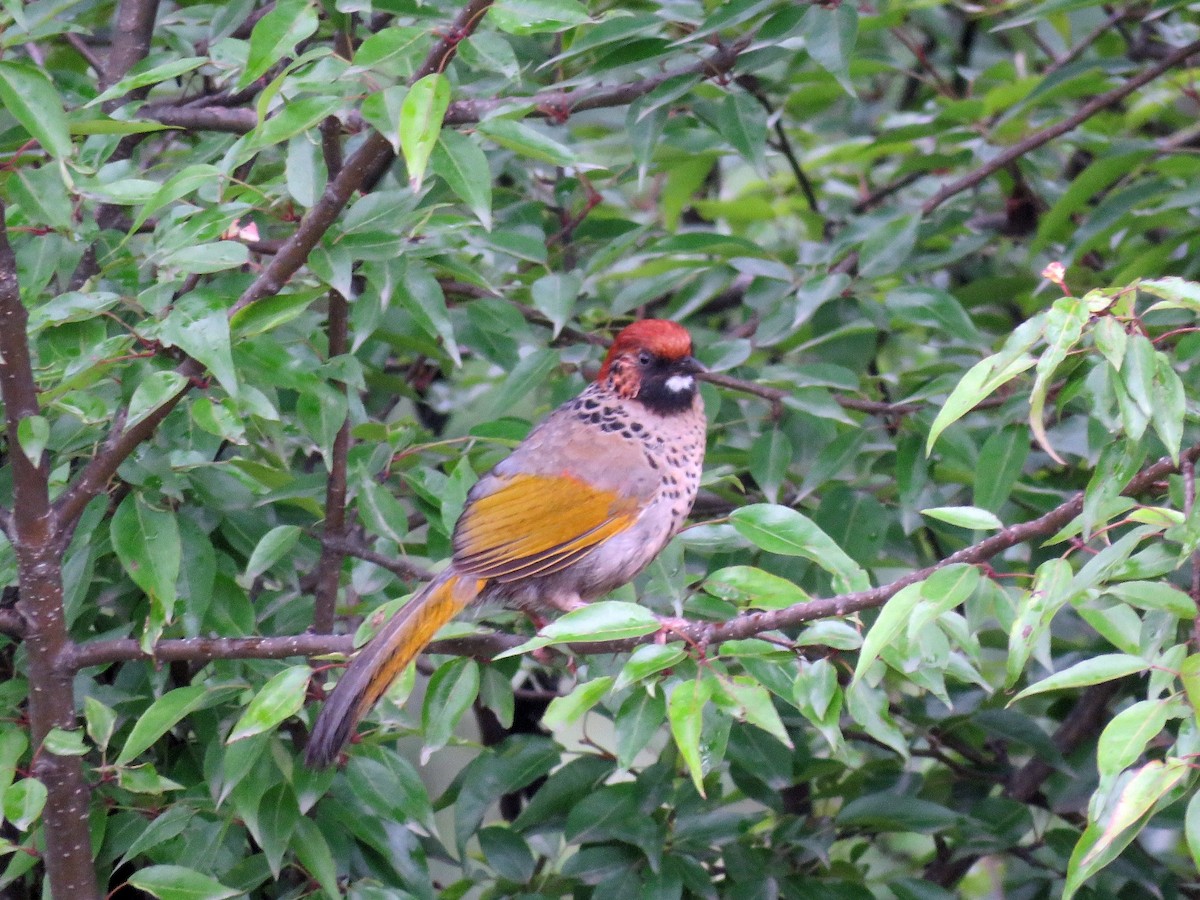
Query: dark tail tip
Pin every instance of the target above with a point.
(328, 736)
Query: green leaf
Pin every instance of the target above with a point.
(1125, 737)
(1001, 461)
(1169, 405)
(421, 116)
(685, 712)
(1191, 828)
(280, 698)
(460, 162)
(24, 802)
(199, 326)
(275, 36)
(381, 109)
(742, 121)
(891, 622)
(1154, 595)
(830, 34)
(604, 620)
(1050, 590)
(554, 297)
(452, 690)
(33, 433)
(986, 376)
(271, 548)
(31, 99)
(1111, 340)
(778, 529)
(1098, 669)
(751, 587)
(755, 706)
(888, 245)
(142, 75)
(526, 141)
(647, 660)
(537, 16)
(423, 298)
(203, 259)
(770, 456)
(101, 721)
(1064, 326)
(312, 850)
(152, 392)
(638, 720)
(147, 543)
(1104, 840)
(64, 742)
(382, 513)
(567, 709)
(162, 715)
(169, 882)
(1177, 292)
(1189, 676)
(964, 517)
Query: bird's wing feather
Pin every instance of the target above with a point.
(528, 524)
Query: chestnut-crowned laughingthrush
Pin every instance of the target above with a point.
(579, 508)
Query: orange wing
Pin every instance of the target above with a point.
(535, 525)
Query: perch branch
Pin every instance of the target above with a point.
(1070, 123)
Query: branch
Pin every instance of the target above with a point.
(1035, 140)
(291, 256)
(241, 120)
(329, 566)
(554, 105)
(117, 447)
(558, 105)
(401, 568)
(99, 653)
(362, 169)
(134, 23)
(68, 857)
(29, 522)
(486, 645)
(436, 60)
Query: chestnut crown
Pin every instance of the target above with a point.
(651, 361)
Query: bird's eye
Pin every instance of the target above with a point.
(644, 358)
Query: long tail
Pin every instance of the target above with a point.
(384, 657)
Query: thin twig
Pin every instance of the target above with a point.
(329, 565)
(1188, 469)
(401, 568)
(1038, 138)
(1094, 35)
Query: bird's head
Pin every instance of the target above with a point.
(651, 361)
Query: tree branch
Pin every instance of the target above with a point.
(486, 645)
(68, 857)
(117, 447)
(557, 105)
(329, 566)
(131, 40)
(554, 105)
(399, 567)
(1035, 140)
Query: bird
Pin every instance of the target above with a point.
(581, 506)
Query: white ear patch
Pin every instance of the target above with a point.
(678, 383)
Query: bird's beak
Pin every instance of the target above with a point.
(692, 366)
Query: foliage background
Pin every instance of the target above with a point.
(250, 367)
